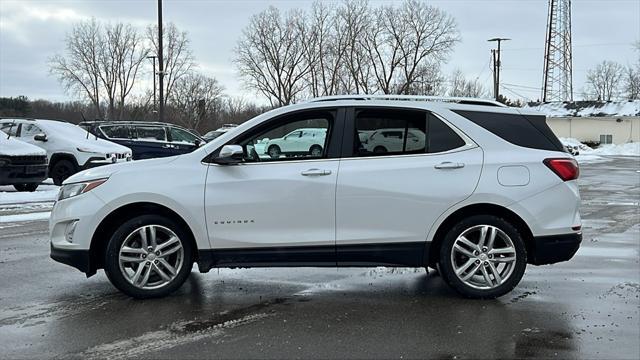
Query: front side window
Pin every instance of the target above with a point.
(182, 136)
(30, 130)
(115, 131)
(9, 128)
(151, 133)
(396, 132)
(299, 136)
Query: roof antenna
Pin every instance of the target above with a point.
(83, 120)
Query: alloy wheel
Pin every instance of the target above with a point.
(151, 257)
(483, 257)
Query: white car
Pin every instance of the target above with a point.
(392, 140)
(215, 133)
(491, 191)
(69, 147)
(22, 165)
(305, 141)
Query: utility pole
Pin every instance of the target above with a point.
(153, 58)
(495, 53)
(160, 65)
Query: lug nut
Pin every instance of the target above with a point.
(144, 256)
(486, 263)
(158, 253)
(155, 261)
(477, 262)
(490, 256)
(475, 253)
(484, 249)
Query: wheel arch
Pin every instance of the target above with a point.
(62, 156)
(101, 235)
(478, 209)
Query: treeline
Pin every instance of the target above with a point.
(227, 111)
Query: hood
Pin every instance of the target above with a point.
(15, 147)
(106, 171)
(62, 132)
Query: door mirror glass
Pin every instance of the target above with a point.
(230, 154)
(40, 137)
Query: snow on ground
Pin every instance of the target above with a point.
(34, 216)
(45, 192)
(588, 154)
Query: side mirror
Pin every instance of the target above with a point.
(197, 143)
(229, 155)
(40, 137)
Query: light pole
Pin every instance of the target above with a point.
(160, 65)
(496, 66)
(153, 59)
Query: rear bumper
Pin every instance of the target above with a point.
(554, 248)
(78, 259)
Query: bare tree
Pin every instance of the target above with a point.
(461, 86)
(78, 68)
(406, 39)
(354, 21)
(603, 81)
(271, 55)
(101, 63)
(178, 56)
(196, 98)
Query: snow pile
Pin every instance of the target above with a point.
(587, 108)
(588, 154)
(628, 149)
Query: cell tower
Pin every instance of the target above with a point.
(557, 83)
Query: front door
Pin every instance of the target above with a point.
(152, 142)
(389, 196)
(269, 210)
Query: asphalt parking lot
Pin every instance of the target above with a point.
(585, 308)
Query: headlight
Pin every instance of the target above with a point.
(71, 190)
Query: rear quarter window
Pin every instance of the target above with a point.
(522, 130)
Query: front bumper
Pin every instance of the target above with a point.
(554, 248)
(79, 259)
(23, 174)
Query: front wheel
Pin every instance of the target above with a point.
(148, 256)
(61, 170)
(274, 151)
(26, 187)
(483, 256)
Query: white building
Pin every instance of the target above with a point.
(591, 121)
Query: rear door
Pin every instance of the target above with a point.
(387, 201)
(151, 142)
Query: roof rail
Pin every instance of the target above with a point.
(459, 100)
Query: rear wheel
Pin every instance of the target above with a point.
(149, 256)
(483, 256)
(61, 170)
(315, 151)
(26, 187)
(274, 151)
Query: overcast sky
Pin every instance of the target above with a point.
(33, 30)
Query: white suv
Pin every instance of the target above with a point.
(491, 190)
(69, 148)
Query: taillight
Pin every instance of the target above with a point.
(566, 169)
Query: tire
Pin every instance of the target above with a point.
(507, 257)
(123, 274)
(61, 170)
(315, 151)
(380, 150)
(26, 187)
(274, 151)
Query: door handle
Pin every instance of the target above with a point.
(449, 165)
(316, 172)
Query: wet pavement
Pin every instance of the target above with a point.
(585, 308)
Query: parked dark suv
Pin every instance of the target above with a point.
(146, 139)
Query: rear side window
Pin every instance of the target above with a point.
(151, 133)
(522, 130)
(395, 132)
(115, 131)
